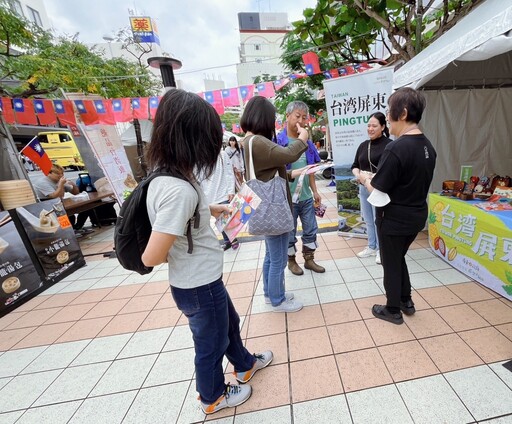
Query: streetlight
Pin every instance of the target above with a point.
(108, 38)
(166, 65)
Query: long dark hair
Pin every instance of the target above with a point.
(259, 117)
(187, 135)
(233, 138)
(379, 116)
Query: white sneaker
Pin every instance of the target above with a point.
(288, 306)
(234, 395)
(367, 252)
(377, 258)
(262, 360)
(287, 295)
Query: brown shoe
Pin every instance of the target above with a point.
(309, 261)
(293, 266)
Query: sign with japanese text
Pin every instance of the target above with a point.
(144, 29)
(476, 242)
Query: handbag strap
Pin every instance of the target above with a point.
(298, 187)
(252, 175)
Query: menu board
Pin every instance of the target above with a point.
(18, 276)
(48, 230)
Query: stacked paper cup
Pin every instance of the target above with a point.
(15, 193)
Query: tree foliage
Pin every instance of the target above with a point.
(34, 62)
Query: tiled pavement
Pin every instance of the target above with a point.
(108, 346)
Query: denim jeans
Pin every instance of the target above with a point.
(276, 258)
(368, 213)
(214, 323)
(304, 209)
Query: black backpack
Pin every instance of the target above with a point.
(133, 227)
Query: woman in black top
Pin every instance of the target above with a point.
(365, 164)
(400, 188)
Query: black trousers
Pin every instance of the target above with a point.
(396, 275)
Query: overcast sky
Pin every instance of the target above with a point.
(200, 33)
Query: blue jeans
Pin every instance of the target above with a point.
(214, 323)
(276, 258)
(368, 213)
(305, 209)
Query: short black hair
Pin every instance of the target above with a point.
(407, 98)
(259, 117)
(186, 137)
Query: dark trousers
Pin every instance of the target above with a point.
(396, 275)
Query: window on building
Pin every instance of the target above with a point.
(34, 16)
(257, 47)
(16, 7)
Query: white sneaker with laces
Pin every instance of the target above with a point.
(234, 395)
(288, 306)
(262, 360)
(367, 252)
(377, 258)
(287, 295)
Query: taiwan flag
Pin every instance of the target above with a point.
(235, 128)
(153, 106)
(45, 112)
(215, 99)
(347, 70)
(35, 152)
(230, 97)
(64, 111)
(6, 109)
(247, 92)
(140, 107)
(104, 111)
(312, 63)
(280, 83)
(266, 89)
(24, 112)
(87, 112)
(122, 110)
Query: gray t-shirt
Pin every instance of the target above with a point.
(171, 202)
(44, 187)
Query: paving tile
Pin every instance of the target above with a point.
(433, 264)
(4, 381)
(14, 361)
(161, 318)
(10, 338)
(33, 318)
(266, 324)
(32, 303)
(124, 374)
(493, 311)
(488, 343)
(421, 280)
(154, 288)
(427, 323)
(104, 409)
(378, 405)
(407, 360)
(505, 329)
(56, 356)
(241, 290)
(308, 296)
(242, 276)
(309, 317)
(23, 390)
(310, 343)
(57, 300)
(314, 378)
(277, 343)
(470, 292)
(334, 293)
(84, 329)
(281, 415)
(362, 369)
(339, 312)
(123, 292)
(420, 254)
(127, 323)
(242, 305)
(420, 395)
(51, 414)
(342, 253)
(141, 303)
(102, 349)
(10, 417)
(146, 342)
(348, 263)
(10, 318)
(502, 372)
(157, 404)
(361, 289)
(364, 305)
(106, 308)
(439, 296)
(180, 338)
(65, 387)
(350, 336)
(271, 389)
(333, 410)
(191, 411)
(170, 367)
(327, 278)
(91, 296)
(70, 313)
(461, 317)
(449, 352)
(44, 335)
(481, 391)
(77, 286)
(384, 333)
(501, 420)
(355, 274)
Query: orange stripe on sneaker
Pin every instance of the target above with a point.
(211, 408)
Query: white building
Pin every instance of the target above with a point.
(261, 35)
(32, 10)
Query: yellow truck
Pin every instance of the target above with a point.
(61, 148)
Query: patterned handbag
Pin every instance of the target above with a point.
(273, 216)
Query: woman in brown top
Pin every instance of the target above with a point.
(258, 120)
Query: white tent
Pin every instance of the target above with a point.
(466, 76)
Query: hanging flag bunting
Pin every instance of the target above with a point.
(122, 110)
(45, 112)
(153, 106)
(6, 109)
(24, 112)
(280, 83)
(35, 152)
(64, 111)
(140, 107)
(223, 127)
(104, 111)
(312, 63)
(266, 89)
(215, 99)
(361, 67)
(279, 124)
(86, 111)
(346, 70)
(235, 128)
(247, 92)
(230, 97)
